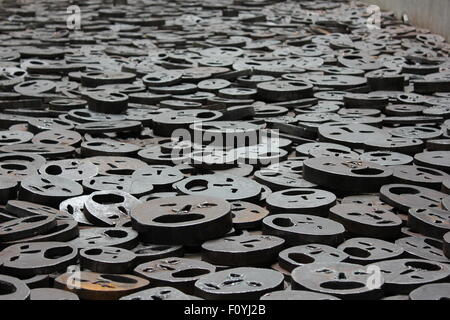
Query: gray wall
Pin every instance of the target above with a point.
(430, 14)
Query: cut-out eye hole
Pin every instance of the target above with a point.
(403, 190)
(254, 284)
(93, 252)
(212, 286)
(300, 258)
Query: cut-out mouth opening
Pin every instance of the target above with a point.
(367, 171)
(357, 252)
(294, 193)
(13, 166)
(108, 199)
(56, 253)
(116, 233)
(403, 190)
(178, 218)
(301, 258)
(342, 285)
(53, 170)
(190, 273)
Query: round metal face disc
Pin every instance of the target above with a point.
(176, 219)
(344, 280)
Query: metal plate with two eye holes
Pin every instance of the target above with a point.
(107, 260)
(416, 132)
(297, 256)
(107, 163)
(224, 186)
(23, 209)
(96, 286)
(149, 252)
(346, 175)
(26, 227)
(244, 283)
(36, 125)
(301, 201)
(179, 273)
(26, 259)
(343, 280)
(352, 135)
(429, 222)
(182, 220)
(439, 160)
(406, 196)
(334, 151)
(387, 158)
(247, 215)
(160, 176)
(72, 169)
(362, 220)
(14, 137)
(365, 251)
(58, 137)
(48, 190)
(242, 251)
(135, 186)
(103, 147)
(404, 275)
(109, 208)
(299, 229)
(409, 146)
(125, 238)
(420, 176)
(423, 248)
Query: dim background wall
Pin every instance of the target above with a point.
(430, 14)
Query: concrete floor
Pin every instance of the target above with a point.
(431, 14)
